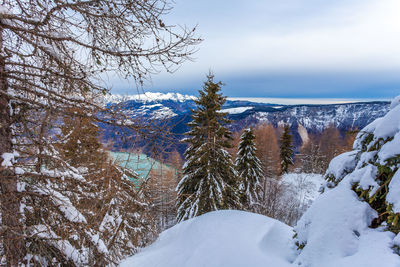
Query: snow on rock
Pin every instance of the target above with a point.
(220, 239)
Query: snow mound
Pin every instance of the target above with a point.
(335, 232)
(220, 239)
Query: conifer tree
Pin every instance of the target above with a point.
(249, 169)
(286, 150)
(210, 180)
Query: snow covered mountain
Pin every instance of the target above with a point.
(175, 109)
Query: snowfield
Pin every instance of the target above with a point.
(220, 239)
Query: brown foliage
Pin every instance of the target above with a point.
(268, 149)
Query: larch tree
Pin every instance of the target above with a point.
(209, 178)
(54, 56)
(249, 170)
(268, 153)
(286, 149)
(117, 213)
(331, 144)
(268, 149)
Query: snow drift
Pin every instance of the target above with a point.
(220, 239)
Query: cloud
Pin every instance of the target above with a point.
(356, 37)
(362, 37)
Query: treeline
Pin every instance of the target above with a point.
(313, 156)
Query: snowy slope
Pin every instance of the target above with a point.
(220, 239)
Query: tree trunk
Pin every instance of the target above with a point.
(12, 233)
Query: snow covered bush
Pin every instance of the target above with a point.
(286, 199)
(355, 222)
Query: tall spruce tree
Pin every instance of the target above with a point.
(286, 150)
(210, 180)
(250, 172)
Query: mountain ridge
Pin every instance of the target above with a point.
(174, 110)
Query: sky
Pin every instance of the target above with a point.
(288, 48)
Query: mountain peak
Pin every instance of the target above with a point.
(148, 97)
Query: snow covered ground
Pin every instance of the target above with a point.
(220, 239)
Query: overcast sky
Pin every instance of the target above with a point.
(289, 48)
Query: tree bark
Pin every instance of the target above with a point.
(12, 233)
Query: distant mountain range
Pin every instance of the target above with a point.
(174, 109)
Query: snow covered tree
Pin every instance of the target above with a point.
(209, 178)
(113, 206)
(360, 203)
(56, 228)
(53, 55)
(286, 149)
(76, 212)
(249, 170)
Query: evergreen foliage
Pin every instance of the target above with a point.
(286, 150)
(210, 180)
(250, 172)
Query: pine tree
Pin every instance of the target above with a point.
(250, 171)
(210, 180)
(286, 150)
